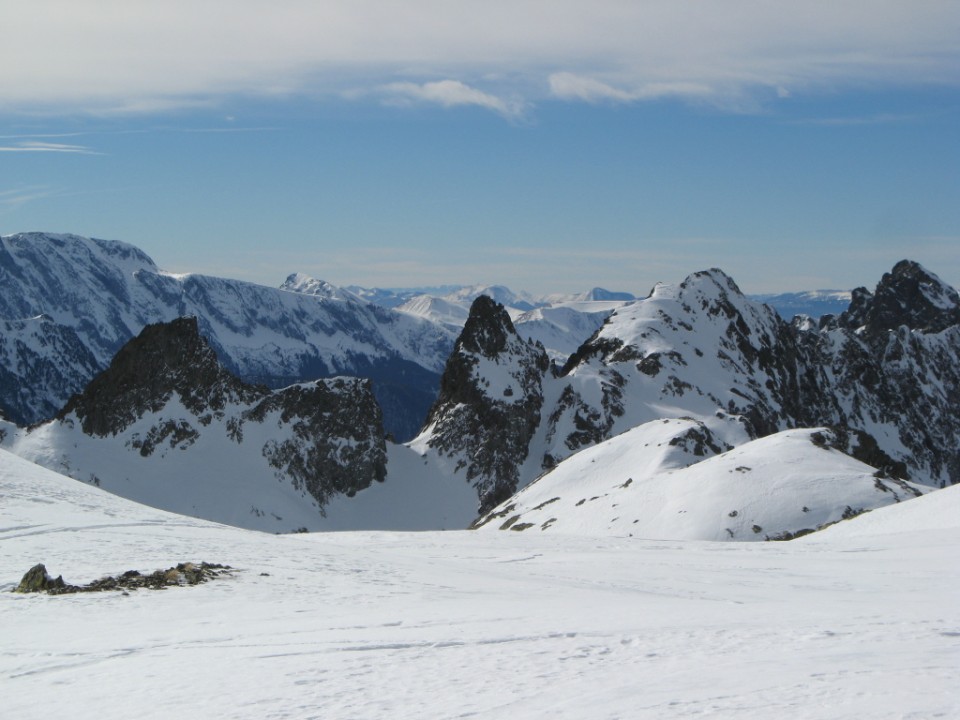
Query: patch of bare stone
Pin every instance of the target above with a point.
(38, 579)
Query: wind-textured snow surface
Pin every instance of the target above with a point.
(460, 624)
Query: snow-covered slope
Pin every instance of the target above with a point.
(105, 292)
(653, 482)
(455, 624)
(934, 512)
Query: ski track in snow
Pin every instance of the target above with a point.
(470, 625)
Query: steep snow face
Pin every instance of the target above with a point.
(489, 404)
(105, 292)
(653, 482)
(167, 425)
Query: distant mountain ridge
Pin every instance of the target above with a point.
(813, 303)
(91, 296)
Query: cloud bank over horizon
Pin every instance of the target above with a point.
(102, 57)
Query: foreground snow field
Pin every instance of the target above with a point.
(848, 623)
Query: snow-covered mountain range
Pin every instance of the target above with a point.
(885, 375)
(69, 303)
(812, 303)
(696, 384)
(561, 323)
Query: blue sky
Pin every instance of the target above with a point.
(545, 146)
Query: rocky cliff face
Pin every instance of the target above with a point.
(489, 405)
(892, 364)
(167, 406)
(41, 364)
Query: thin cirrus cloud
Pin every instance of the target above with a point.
(37, 146)
(15, 198)
(568, 86)
(153, 56)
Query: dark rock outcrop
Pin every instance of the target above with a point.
(164, 360)
(37, 579)
(907, 296)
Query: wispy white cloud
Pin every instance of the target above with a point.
(857, 121)
(569, 86)
(158, 55)
(34, 146)
(450, 93)
(15, 198)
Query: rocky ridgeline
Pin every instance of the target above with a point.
(164, 360)
(885, 375)
(166, 389)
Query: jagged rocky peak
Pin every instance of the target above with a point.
(909, 295)
(489, 405)
(487, 328)
(165, 358)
